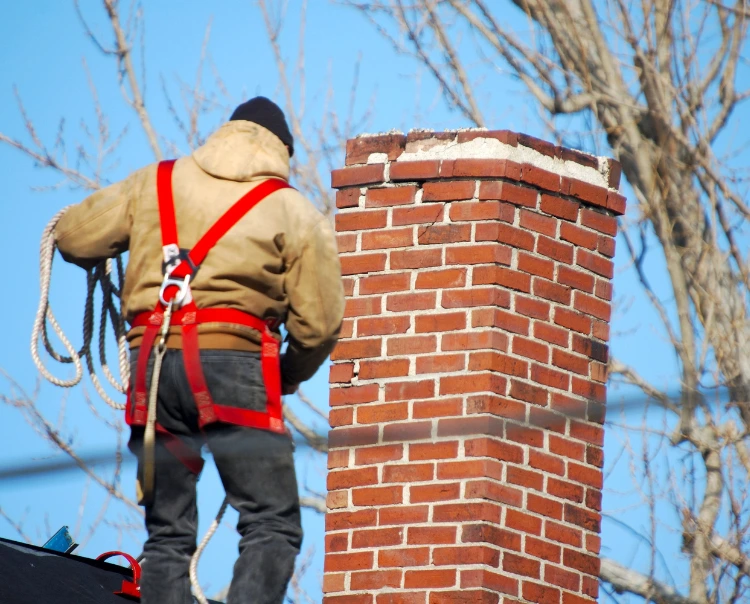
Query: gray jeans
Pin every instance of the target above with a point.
(256, 469)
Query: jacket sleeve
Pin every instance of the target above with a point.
(316, 305)
(97, 228)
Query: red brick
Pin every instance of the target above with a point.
(401, 597)
(448, 191)
(501, 363)
(420, 214)
(572, 320)
(449, 470)
(348, 283)
(505, 191)
(494, 231)
(586, 475)
(606, 246)
(562, 578)
(434, 492)
(359, 221)
(542, 549)
(381, 284)
(542, 146)
(474, 341)
(547, 420)
(586, 192)
(498, 275)
(431, 535)
(373, 414)
(349, 561)
(524, 478)
(437, 408)
(410, 345)
(377, 326)
(339, 458)
(386, 239)
(536, 265)
(403, 514)
(348, 599)
(358, 149)
(429, 578)
(361, 175)
(578, 236)
(452, 277)
(578, 157)
(414, 170)
(600, 329)
(504, 136)
(353, 437)
(337, 500)
(414, 472)
(562, 208)
(407, 391)
(576, 279)
(598, 221)
(546, 463)
(520, 565)
(541, 594)
(440, 322)
(346, 242)
(390, 196)
(538, 177)
(538, 223)
(459, 556)
(341, 416)
(499, 318)
(374, 455)
(566, 447)
(357, 307)
(475, 296)
(570, 362)
(410, 302)
(490, 489)
(341, 373)
(354, 395)
(524, 435)
(378, 496)
(530, 349)
(416, 258)
(412, 556)
(477, 424)
(596, 264)
(480, 168)
(531, 307)
(550, 377)
(529, 393)
(479, 382)
(407, 431)
(562, 252)
(441, 450)
(370, 370)
(376, 579)
(525, 523)
(478, 254)
(437, 234)
(345, 479)
(587, 519)
(592, 306)
(333, 582)
(585, 563)
(603, 289)
(348, 198)
(446, 363)
(616, 203)
(497, 449)
(482, 210)
(338, 521)
(461, 512)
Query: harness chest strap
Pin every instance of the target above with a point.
(180, 268)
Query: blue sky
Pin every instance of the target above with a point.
(42, 55)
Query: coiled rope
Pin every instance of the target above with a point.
(111, 310)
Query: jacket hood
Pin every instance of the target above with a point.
(243, 151)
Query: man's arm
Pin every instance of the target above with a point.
(316, 306)
(97, 228)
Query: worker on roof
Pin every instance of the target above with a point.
(278, 263)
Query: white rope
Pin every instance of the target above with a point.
(197, 591)
(102, 275)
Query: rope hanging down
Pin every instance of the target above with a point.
(102, 275)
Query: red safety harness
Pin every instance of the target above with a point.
(180, 269)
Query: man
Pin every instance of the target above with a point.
(276, 263)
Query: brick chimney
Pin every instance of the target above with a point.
(467, 391)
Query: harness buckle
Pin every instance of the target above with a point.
(183, 295)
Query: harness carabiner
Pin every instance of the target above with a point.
(183, 295)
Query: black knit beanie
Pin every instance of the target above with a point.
(267, 114)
